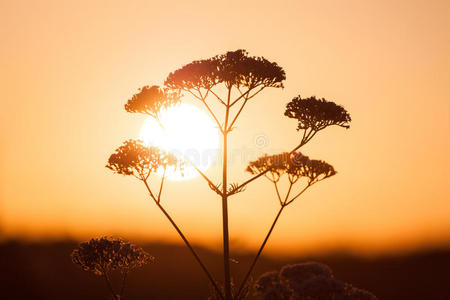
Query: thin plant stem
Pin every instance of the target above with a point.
(108, 283)
(278, 193)
(211, 184)
(287, 194)
(241, 287)
(203, 100)
(244, 95)
(283, 204)
(162, 183)
(124, 279)
(251, 179)
(305, 139)
(226, 240)
(237, 114)
(180, 233)
(246, 98)
(302, 143)
(218, 98)
(213, 115)
(298, 195)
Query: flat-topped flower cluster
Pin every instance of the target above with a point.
(105, 254)
(134, 158)
(295, 165)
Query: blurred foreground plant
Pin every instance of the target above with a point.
(307, 281)
(105, 255)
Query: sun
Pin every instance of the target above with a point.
(187, 132)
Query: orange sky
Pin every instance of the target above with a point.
(67, 68)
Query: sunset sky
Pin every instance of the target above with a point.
(68, 67)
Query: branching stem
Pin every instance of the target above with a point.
(283, 205)
(298, 195)
(226, 240)
(108, 283)
(241, 287)
(218, 98)
(237, 114)
(180, 233)
(124, 278)
(162, 183)
(211, 184)
(278, 193)
(302, 143)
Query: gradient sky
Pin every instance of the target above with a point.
(67, 68)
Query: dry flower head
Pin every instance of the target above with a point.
(134, 158)
(105, 254)
(151, 100)
(295, 165)
(234, 68)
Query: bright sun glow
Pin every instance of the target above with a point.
(187, 132)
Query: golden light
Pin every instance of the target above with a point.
(187, 132)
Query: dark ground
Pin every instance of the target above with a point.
(44, 271)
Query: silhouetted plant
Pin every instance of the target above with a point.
(104, 255)
(134, 158)
(307, 281)
(314, 115)
(239, 77)
(296, 166)
(150, 100)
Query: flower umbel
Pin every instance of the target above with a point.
(234, 68)
(295, 165)
(105, 254)
(304, 271)
(151, 99)
(315, 114)
(134, 158)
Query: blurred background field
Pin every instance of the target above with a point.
(31, 270)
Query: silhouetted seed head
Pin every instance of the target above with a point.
(321, 287)
(275, 165)
(295, 165)
(108, 254)
(234, 68)
(307, 281)
(277, 292)
(266, 281)
(304, 271)
(269, 287)
(134, 158)
(316, 114)
(150, 100)
(317, 170)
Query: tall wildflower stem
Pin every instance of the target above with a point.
(183, 237)
(261, 248)
(108, 283)
(241, 287)
(226, 240)
(124, 279)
